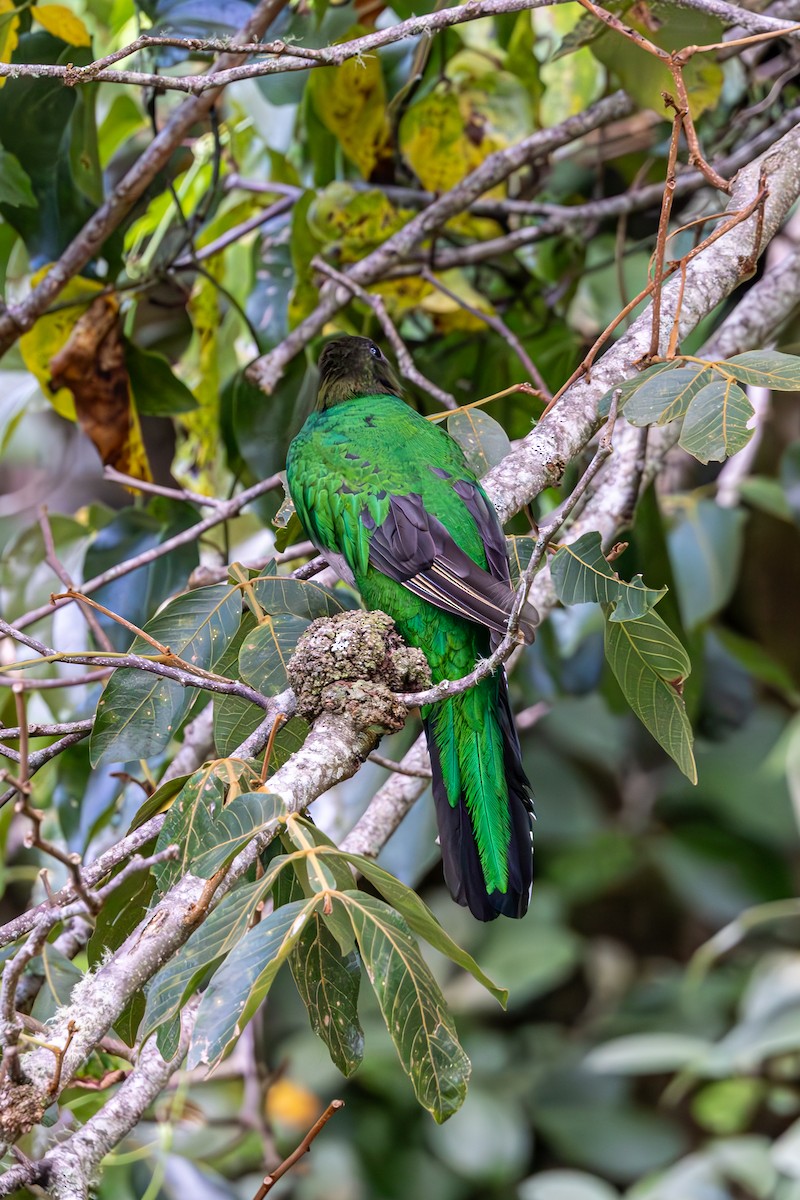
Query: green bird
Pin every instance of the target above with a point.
(388, 498)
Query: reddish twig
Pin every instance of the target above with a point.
(304, 1147)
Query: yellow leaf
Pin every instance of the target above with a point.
(51, 332)
(447, 313)
(198, 446)
(350, 101)
(62, 23)
(9, 31)
(356, 222)
(450, 132)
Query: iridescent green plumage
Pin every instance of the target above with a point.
(388, 497)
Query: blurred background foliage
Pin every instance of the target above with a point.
(652, 1042)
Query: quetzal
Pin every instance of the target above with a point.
(388, 498)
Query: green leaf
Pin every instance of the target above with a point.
(298, 597)
(209, 944)
(520, 548)
(570, 83)
(581, 574)
(766, 368)
(328, 983)
(646, 1054)
(766, 494)
(266, 651)
(715, 425)
(156, 389)
(411, 1003)
(189, 822)
(15, 184)
(120, 914)
(484, 441)
(139, 713)
(705, 547)
(627, 387)
(160, 801)
(665, 397)
(242, 982)
(239, 821)
(234, 718)
(422, 921)
(644, 77)
(566, 1185)
(650, 666)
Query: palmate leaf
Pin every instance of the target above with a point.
(191, 821)
(239, 821)
(715, 425)
(209, 943)
(411, 1002)
(244, 979)
(650, 666)
(665, 396)
(328, 982)
(139, 713)
(581, 575)
(422, 921)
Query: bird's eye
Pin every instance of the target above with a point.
(375, 351)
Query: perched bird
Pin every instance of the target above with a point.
(388, 498)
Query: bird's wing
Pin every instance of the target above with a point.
(414, 548)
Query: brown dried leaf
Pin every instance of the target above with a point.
(92, 365)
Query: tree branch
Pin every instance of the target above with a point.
(18, 318)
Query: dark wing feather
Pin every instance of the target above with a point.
(415, 548)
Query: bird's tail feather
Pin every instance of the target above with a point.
(482, 795)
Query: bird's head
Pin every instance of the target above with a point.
(354, 366)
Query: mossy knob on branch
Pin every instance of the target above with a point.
(353, 663)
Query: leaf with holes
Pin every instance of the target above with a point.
(411, 1002)
(138, 712)
(328, 983)
(581, 574)
(715, 425)
(650, 666)
(666, 396)
(244, 979)
(350, 101)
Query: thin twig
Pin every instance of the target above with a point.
(304, 1147)
(402, 353)
(397, 767)
(224, 510)
(496, 323)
